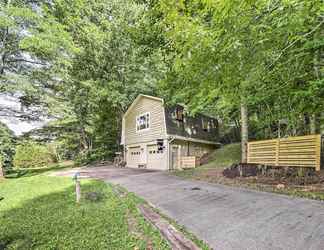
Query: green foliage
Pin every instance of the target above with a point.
(261, 53)
(33, 155)
(7, 145)
(112, 65)
(34, 51)
(84, 62)
(93, 155)
(39, 212)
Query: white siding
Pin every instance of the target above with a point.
(157, 126)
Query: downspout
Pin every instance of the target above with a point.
(170, 140)
(188, 149)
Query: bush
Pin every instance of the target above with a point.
(32, 155)
(93, 156)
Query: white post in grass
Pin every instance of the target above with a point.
(77, 187)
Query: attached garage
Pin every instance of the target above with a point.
(156, 159)
(149, 125)
(134, 157)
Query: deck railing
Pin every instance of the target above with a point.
(189, 162)
(300, 151)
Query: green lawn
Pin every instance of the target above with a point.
(39, 212)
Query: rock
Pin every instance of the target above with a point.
(94, 196)
(280, 186)
(232, 171)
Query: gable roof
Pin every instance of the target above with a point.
(138, 98)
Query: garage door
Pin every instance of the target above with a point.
(155, 158)
(133, 156)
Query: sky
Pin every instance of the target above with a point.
(18, 126)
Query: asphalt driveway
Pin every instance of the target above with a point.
(227, 217)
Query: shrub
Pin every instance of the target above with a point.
(93, 156)
(32, 155)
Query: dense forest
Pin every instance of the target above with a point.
(256, 65)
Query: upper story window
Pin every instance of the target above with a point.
(178, 114)
(143, 122)
(212, 124)
(205, 125)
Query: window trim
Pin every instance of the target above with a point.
(149, 123)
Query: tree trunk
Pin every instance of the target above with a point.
(1, 172)
(244, 131)
(314, 125)
(83, 139)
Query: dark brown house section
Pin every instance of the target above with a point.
(197, 127)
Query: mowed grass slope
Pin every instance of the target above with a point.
(218, 160)
(225, 156)
(39, 212)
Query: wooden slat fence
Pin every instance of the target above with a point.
(300, 151)
(189, 162)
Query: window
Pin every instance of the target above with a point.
(205, 125)
(143, 122)
(177, 114)
(213, 124)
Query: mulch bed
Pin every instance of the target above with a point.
(274, 179)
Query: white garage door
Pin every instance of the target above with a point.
(133, 157)
(155, 158)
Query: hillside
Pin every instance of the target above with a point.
(224, 156)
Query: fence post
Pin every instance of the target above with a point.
(248, 152)
(318, 152)
(277, 151)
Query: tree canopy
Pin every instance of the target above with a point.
(83, 62)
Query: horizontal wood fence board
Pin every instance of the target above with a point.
(293, 151)
(263, 141)
(297, 156)
(295, 164)
(297, 150)
(189, 161)
(263, 148)
(260, 146)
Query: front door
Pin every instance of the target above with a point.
(175, 157)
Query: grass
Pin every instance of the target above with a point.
(39, 212)
(27, 172)
(225, 156)
(200, 243)
(219, 159)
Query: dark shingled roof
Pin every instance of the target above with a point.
(191, 127)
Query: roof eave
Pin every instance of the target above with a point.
(140, 96)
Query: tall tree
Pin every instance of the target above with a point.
(34, 52)
(113, 64)
(254, 55)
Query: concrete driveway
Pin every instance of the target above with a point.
(227, 217)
